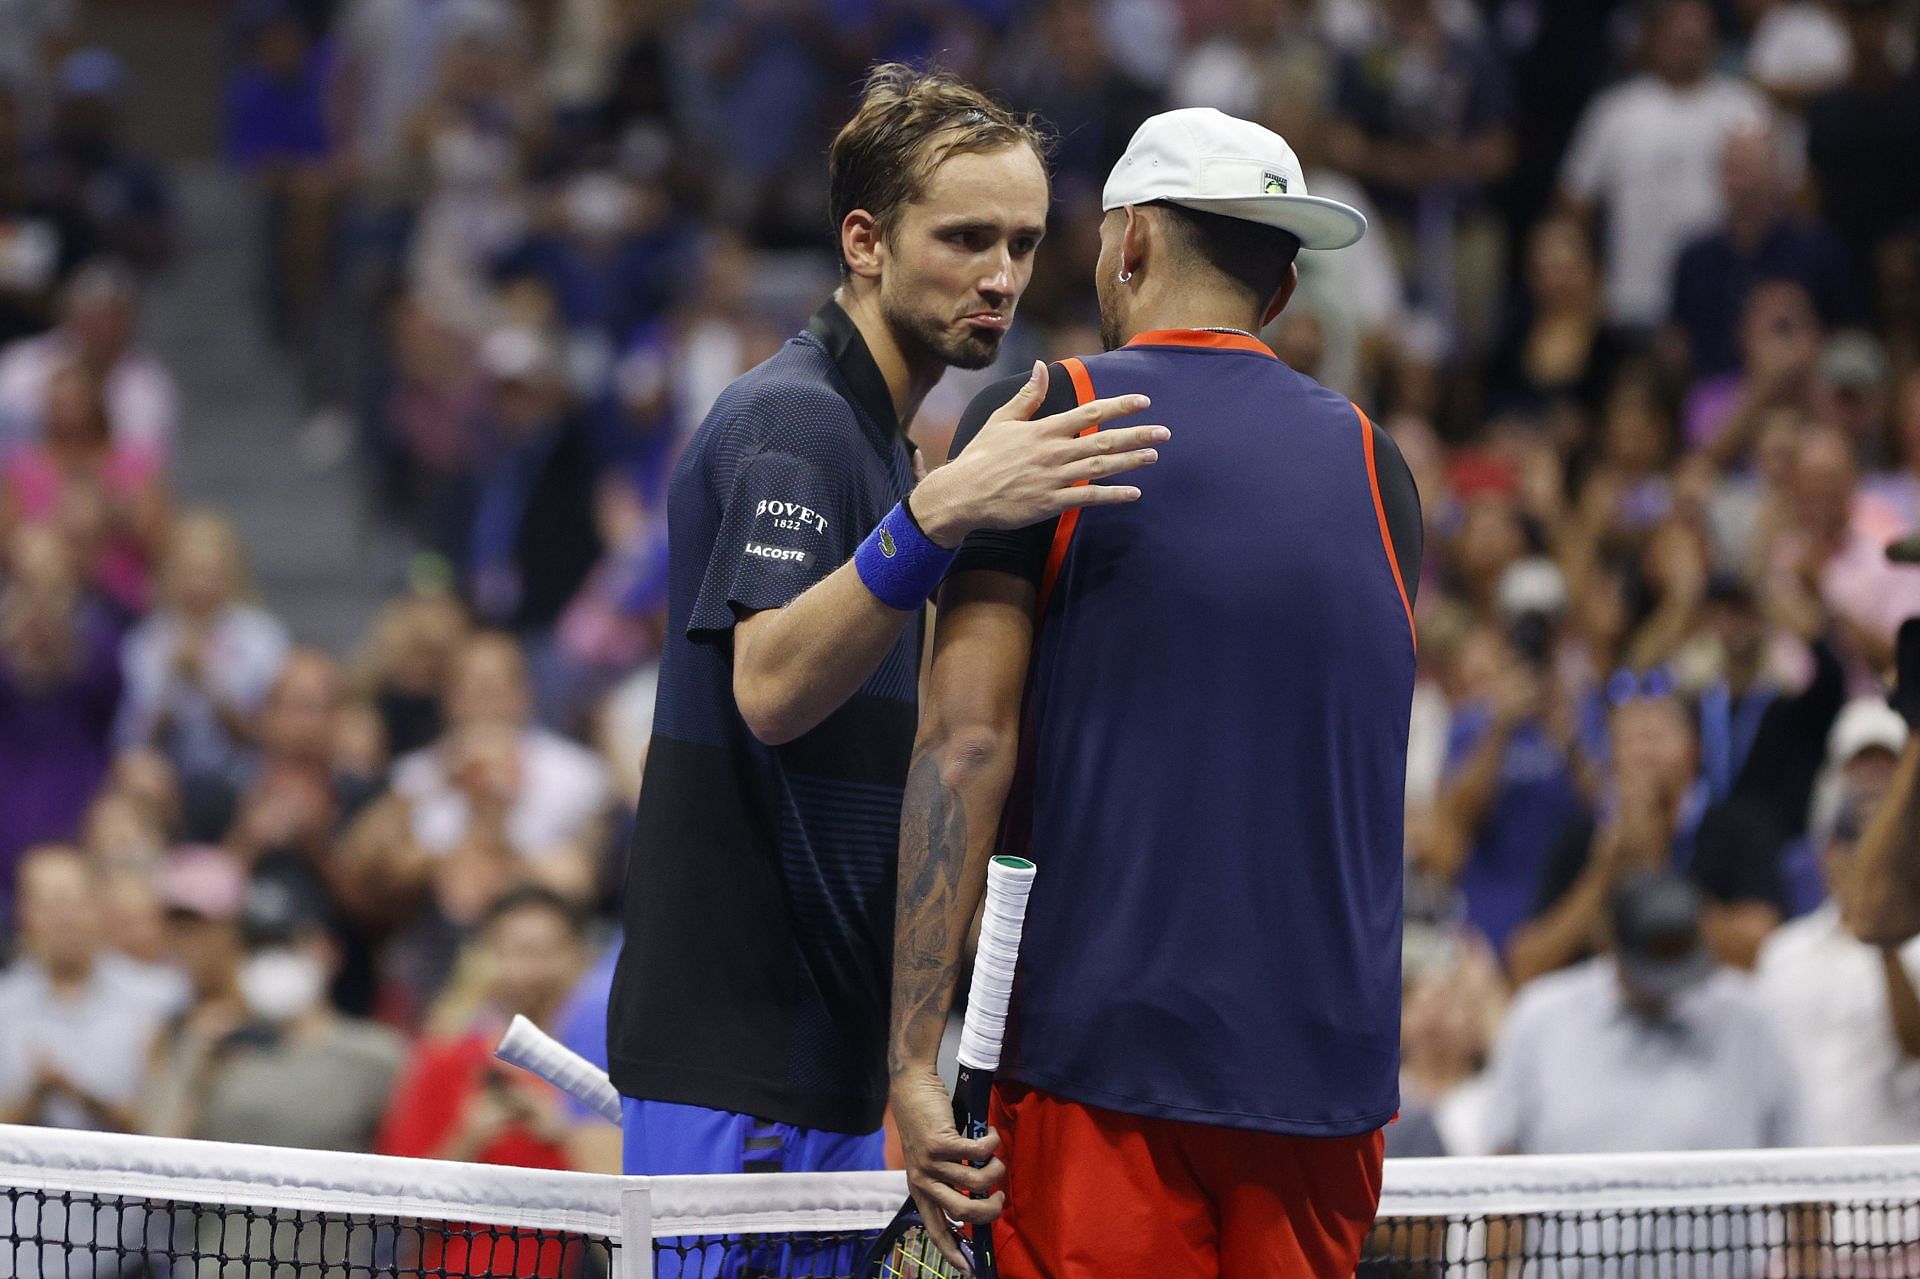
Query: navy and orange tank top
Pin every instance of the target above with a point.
(1213, 755)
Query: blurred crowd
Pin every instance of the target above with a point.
(1640, 305)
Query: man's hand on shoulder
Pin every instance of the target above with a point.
(1019, 470)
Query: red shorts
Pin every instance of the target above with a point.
(1095, 1194)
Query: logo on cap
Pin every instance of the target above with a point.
(1276, 183)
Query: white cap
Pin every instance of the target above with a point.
(1863, 723)
(1200, 158)
(515, 353)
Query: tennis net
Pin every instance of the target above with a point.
(93, 1206)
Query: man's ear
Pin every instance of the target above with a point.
(1135, 239)
(1282, 295)
(862, 245)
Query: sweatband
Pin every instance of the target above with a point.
(901, 565)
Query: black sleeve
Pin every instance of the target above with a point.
(1566, 858)
(1790, 746)
(1400, 498)
(788, 515)
(1736, 853)
(1021, 552)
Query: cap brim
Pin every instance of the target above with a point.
(1319, 224)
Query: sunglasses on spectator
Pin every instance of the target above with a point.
(1626, 685)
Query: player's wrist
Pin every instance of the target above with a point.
(936, 512)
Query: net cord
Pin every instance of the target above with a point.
(64, 1161)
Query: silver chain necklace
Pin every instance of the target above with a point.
(1221, 328)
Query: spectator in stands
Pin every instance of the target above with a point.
(1262, 43)
(1861, 137)
(132, 914)
(1849, 1011)
(39, 241)
(616, 622)
(1509, 782)
(468, 148)
(1454, 1002)
(423, 423)
(1651, 1047)
(98, 330)
(1853, 392)
(1838, 539)
(533, 539)
(287, 797)
(202, 890)
(1779, 338)
(1425, 121)
(106, 496)
(1559, 356)
(291, 1070)
(79, 1017)
(495, 802)
(277, 131)
(611, 253)
(1059, 64)
(87, 165)
(1653, 816)
(198, 669)
(1647, 153)
(59, 686)
(454, 1101)
(494, 786)
(405, 664)
(1354, 296)
(1762, 239)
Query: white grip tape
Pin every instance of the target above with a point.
(533, 1050)
(1009, 879)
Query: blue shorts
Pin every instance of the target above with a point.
(663, 1138)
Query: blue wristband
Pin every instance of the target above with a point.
(901, 565)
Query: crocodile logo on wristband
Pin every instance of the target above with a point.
(887, 548)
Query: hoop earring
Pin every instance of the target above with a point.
(1126, 277)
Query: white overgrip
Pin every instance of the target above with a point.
(533, 1050)
(1009, 880)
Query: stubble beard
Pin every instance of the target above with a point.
(976, 350)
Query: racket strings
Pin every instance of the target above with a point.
(914, 1256)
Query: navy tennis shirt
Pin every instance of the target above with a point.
(1213, 753)
(759, 896)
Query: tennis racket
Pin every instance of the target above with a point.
(904, 1250)
(539, 1054)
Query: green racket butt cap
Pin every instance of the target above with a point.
(1013, 863)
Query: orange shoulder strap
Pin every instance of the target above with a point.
(1070, 519)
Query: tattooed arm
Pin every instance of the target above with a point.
(962, 765)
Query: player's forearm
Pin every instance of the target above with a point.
(1558, 936)
(956, 789)
(1465, 803)
(1881, 898)
(1903, 1003)
(794, 666)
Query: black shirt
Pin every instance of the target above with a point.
(759, 898)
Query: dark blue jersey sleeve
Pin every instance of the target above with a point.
(786, 509)
(1021, 552)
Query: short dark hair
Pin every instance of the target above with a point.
(907, 124)
(1251, 254)
(534, 897)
